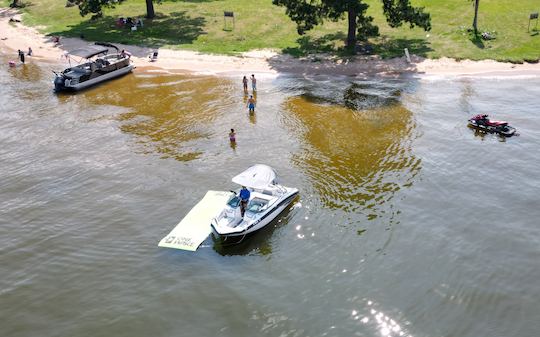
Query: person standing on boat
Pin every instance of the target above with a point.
(244, 198)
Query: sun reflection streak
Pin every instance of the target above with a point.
(379, 321)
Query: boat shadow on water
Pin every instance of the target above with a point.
(256, 243)
(482, 134)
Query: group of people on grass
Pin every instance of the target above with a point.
(129, 22)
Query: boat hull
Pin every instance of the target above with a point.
(260, 223)
(506, 131)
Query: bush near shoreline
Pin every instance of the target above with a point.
(199, 26)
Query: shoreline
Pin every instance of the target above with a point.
(16, 36)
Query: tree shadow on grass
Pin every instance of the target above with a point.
(329, 43)
(383, 56)
(476, 39)
(194, 1)
(176, 28)
(394, 47)
(335, 44)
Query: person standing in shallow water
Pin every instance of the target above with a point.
(245, 82)
(21, 56)
(232, 136)
(253, 83)
(251, 104)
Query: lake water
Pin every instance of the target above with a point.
(408, 222)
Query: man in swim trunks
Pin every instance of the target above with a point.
(253, 82)
(251, 104)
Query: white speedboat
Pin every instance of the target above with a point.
(267, 200)
(100, 66)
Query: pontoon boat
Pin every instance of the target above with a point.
(99, 66)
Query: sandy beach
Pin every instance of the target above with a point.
(16, 35)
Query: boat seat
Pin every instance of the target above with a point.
(497, 123)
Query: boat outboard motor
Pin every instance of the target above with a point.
(59, 82)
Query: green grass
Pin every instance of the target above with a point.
(198, 25)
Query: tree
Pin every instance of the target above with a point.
(309, 13)
(150, 9)
(475, 20)
(95, 7)
(16, 4)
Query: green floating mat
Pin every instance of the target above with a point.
(195, 226)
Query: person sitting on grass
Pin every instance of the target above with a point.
(153, 56)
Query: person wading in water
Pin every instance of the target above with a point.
(251, 104)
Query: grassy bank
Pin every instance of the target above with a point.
(199, 25)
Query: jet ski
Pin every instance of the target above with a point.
(482, 122)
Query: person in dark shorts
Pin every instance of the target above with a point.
(21, 56)
(245, 82)
(244, 198)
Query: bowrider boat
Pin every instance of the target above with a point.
(267, 200)
(99, 66)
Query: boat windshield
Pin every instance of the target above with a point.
(256, 205)
(234, 202)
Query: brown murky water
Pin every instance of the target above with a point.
(408, 223)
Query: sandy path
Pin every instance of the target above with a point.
(14, 36)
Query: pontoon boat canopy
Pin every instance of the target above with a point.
(257, 176)
(89, 51)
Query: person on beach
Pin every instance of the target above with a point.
(245, 82)
(232, 136)
(253, 82)
(251, 104)
(244, 198)
(125, 53)
(30, 52)
(21, 56)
